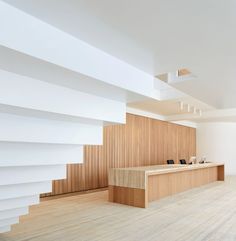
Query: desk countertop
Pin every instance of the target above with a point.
(155, 169)
(135, 177)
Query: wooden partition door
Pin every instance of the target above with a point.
(141, 141)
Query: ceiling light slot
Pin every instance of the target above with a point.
(182, 72)
(176, 76)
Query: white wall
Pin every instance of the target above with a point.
(217, 141)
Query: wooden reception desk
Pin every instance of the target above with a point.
(137, 186)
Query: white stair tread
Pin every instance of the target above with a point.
(9, 221)
(26, 154)
(5, 229)
(29, 174)
(13, 213)
(15, 128)
(18, 202)
(24, 189)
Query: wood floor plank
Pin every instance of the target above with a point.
(207, 213)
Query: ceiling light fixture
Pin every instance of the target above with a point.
(181, 105)
(189, 107)
(182, 72)
(176, 76)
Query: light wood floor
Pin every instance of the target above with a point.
(207, 214)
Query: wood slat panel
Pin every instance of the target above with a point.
(167, 184)
(141, 141)
(172, 143)
(129, 196)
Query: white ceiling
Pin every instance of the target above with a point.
(157, 36)
(170, 107)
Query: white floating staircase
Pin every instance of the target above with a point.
(56, 94)
(42, 128)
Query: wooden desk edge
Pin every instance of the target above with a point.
(138, 197)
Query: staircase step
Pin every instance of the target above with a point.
(32, 94)
(13, 203)
(25, 189)
(5, 229)
(15, 128)
(9, 221)
(13, 213)
(29, 174)
(31, 154)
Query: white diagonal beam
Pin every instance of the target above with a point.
(27, 34)
(32, 94)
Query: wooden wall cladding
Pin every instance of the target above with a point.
(141, 141)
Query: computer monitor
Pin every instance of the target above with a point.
(203, 159)
(193, 160)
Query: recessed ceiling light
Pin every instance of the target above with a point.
(182, 72)
(177, 76)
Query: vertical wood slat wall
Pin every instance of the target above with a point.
(141, 141)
